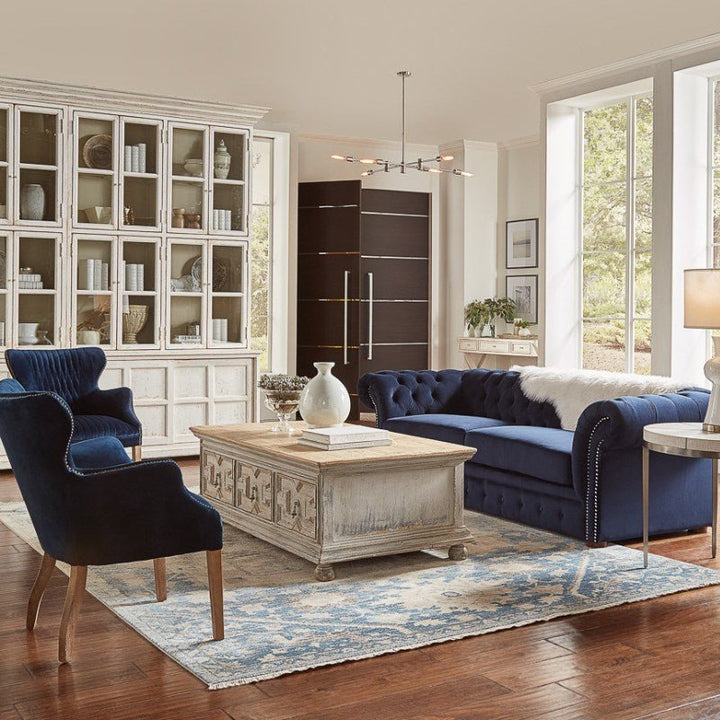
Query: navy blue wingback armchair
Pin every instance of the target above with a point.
(73, 375)
(100, 516)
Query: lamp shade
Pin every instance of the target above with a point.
(702, 299)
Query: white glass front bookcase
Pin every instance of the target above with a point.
(5, 166)
(95, 162)
(228, 190)
(36, 288)
(141, 177)
(186, 294)
(38, 166)
(5, 299)
(139, 311)
(228, 280)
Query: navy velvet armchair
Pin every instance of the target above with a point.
(73, 375)
(100, 516)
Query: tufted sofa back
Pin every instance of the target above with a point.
(484, 393)
(71, 374)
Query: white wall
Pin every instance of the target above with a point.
(519, 199)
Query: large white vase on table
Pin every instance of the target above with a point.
(324, 401)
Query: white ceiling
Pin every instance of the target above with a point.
(328, 66)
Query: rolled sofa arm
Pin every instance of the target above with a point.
(408, 392)
(618, 425)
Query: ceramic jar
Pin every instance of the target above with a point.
(324, 401)
(221, 161)
(32, 202)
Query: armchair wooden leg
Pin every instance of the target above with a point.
(160, 579)
(73, 600)
(215, 583)
(137, 453)
(46, 567)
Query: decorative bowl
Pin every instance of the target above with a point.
(27, 333)
(97, 152)
(194, 167)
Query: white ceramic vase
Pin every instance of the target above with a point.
(221, 161)
(324, 401)
(32, 202)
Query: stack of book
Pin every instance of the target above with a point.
(344, 437)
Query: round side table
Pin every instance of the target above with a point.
(687, 440)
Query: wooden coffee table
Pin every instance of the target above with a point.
(331, 506)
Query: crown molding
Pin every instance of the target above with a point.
(521, 142)
(34, 91)
(462, 145)
(632, 63)
(361, 142)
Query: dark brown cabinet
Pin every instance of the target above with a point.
(363, 280)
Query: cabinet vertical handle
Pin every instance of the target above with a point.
(371, 300)
(345, 318)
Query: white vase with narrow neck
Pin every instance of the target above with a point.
(324, 401)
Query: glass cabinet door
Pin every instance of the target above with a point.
(139, 281)
(5, 136)
(5, 267)
(37, 194)
(186, 285)
(96, 165)
(228, 282)
(93, 285)
(36, 267)
(228, 191)
(140, 186)
(188, 182)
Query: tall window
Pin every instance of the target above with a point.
(617, 235)
(261, 250)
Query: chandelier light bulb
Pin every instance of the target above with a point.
(338, 157)
(367, 161)
(447, 157)
(434, 170)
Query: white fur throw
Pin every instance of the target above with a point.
(571, 391)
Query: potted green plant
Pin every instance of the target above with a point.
(494, 308)
(473, 316)
(521, 327)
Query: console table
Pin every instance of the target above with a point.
(686, 439)
(498, 353)
(333, 505)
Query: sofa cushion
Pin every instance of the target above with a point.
(540, 452)
(439, 426)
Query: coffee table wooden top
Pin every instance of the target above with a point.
(257, 437)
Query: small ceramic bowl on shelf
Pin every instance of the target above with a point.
(194, 167)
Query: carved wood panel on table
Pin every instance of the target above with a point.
(296, 505)
(253, 490)
(218, 477)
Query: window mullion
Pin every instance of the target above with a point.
(630, 238)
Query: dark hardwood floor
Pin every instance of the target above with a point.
(656, 659)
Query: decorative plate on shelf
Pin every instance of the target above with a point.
(97, 152)
(193, 267)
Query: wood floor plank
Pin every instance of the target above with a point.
(655, 659)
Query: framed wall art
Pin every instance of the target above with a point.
(521, 240)
(523, 290)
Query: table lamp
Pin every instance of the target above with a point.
(702, 310)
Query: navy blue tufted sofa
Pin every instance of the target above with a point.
(585, 484)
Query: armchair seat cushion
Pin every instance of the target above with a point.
(88, 427)
(98, 453)
(539, 452)
(439, 426)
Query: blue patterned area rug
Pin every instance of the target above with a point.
(278, 620)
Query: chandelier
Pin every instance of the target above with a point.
(419, 164)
